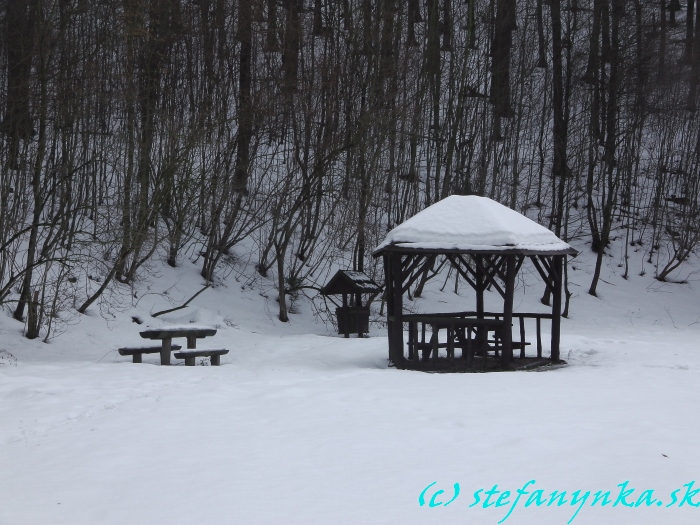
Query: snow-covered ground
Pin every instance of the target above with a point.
(300, 426)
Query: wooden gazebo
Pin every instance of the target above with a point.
(486, 243)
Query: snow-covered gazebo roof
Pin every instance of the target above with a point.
(472, 224)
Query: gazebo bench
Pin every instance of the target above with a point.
(460, 330)
(521, 317)
(190, 355)
(520, 345)
(137, 351)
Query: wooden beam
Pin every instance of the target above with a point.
(165, 351)
(519, 263)
(546, 276)
(388, 294)
(479, 279)
(397, 298)
(489, 272)
(409, 264)
(417, 272)
(347, 320)
(507, 336)
(455, 261)
(557, 268)
(497, 267)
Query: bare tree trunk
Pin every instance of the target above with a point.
(612, 178)
(662, 40)
(695, 69)
(689, 36)
(36, 181)
(292, 43)
(19, 43)
(560, 131)
(245, 104)
(541, 46)
(281, 250)
(501, 50)
(591, 74)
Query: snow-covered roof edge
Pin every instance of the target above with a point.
(473, 224)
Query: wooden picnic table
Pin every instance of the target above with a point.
(470, 332)
(166, 336)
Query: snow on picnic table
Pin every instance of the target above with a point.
(180, 328)
(307, 429)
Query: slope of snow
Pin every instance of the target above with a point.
(301, 426)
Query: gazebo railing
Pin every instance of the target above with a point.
(522, 342)
(474, 335)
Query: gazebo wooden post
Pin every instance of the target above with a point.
(388, 297)
(481, 337)
(557, 269)
(358, 306)
(397, 299)
(347, 322)
(507, 335)
(479, 281)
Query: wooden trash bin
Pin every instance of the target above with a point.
(353, 315)
(352, 320)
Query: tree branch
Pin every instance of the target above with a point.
(181, 306)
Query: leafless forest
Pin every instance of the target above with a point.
(141, 131)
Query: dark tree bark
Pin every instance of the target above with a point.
(673, 7)
(245, 105)
(271, 42)
(19, 44)
(605, 31)
(367, 27)
(318, 18)
(292, 44)
(434, 80)
(38, 190)
(471, 24)
(689, 20)
(504, 26)
(413, 12)
(591, 74)
(446, 26)
(640, 101)
(159, 37)
(387, 49)
(541, 45)
(662, 39)
(559, 132)
(611, 182)
(695, 69)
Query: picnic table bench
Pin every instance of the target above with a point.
(190, 355)
(166, 335)
(137, 351)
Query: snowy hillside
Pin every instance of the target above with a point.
(300, 426)
(213, 163)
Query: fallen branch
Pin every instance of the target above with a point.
(182, 305)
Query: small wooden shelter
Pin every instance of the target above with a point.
(486, 243)
(352, 316)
